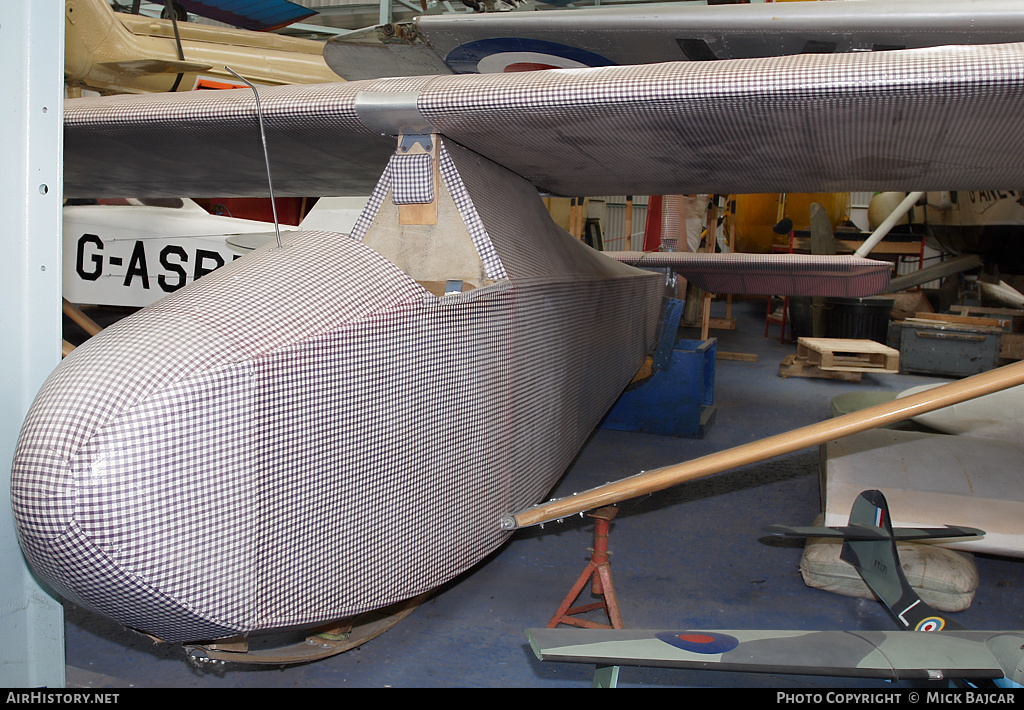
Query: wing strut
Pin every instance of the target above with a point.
(879, 415)
(266, 156)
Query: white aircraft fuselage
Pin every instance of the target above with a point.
(135, 254)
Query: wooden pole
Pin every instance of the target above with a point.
(629, 222)
(75, 313)
(710, 242)
(732, 247)
(815, 434)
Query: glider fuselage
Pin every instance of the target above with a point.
(308, 433)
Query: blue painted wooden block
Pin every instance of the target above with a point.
(677, 400)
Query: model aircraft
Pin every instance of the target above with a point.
(605, 36)
(333, 424)
(959, 461)
(938, 648)
(116, 52)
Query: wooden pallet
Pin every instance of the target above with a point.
(951, 322)
(847, 355)
(792, 366)
(1014, 315)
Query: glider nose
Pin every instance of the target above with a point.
(43, 494)
(88, 487)
(52, 477)
(48, 484)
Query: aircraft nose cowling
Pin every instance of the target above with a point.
(136, 483)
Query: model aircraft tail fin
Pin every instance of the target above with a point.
(878, 563)
(869, 544)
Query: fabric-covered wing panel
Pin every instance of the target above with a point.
(929, 119)
(806, 123)
(778, 274)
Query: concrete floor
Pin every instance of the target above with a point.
(694, 556)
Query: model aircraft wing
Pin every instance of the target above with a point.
(602, 36)
(926, 119)
(866, 532)
(892, 655)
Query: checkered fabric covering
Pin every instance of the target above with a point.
(307, 434)
(413, 179)
(778, 274)
(456, 188)
(922, 119)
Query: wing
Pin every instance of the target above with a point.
(261, 16)
(865, 532)
(503, 42)
(781, 274)
(929, 119)
(892, 655)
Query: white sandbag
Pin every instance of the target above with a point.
(945, 579)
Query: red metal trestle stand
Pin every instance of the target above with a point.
(599, 572)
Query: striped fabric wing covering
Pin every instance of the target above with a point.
(307, 434)
(779, 274)
(927, 119)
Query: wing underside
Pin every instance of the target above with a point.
(928, 119)
(782, 274)
(609, 35)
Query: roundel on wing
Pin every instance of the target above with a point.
(510, 54)
(709, 642)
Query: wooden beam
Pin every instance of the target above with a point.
(425, 213)
(710, 237)
(869, 418)
(629, 222)
(75, 313)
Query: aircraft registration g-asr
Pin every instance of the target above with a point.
(320, 430)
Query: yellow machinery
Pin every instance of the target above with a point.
(756, 216)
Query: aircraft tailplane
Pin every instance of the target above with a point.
(878, 563)
(869, 544)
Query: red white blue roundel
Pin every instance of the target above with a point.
(932, 623)
(510, 54)
(710, 642)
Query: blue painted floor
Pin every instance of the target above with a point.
(694, 556)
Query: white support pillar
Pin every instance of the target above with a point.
(31, 139)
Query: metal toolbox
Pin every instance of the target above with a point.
(949, 349)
